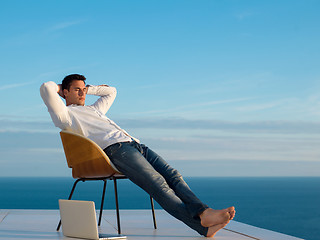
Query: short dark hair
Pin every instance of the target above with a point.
(66, 82)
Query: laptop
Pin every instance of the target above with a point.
(78, 220)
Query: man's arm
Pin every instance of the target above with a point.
(107, 95)
(50, 92)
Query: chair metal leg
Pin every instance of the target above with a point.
(117, 204)
(116, 198)
(70, 196)
(153, 214)
(102, 200)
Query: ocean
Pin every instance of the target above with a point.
(289, 205)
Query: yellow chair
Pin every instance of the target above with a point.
(90, 163)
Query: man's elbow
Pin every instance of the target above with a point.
(114, 91)
(47, 87)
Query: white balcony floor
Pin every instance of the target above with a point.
(135, 224)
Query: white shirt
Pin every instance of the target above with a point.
(89, 121)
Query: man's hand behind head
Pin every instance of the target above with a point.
(60, 92)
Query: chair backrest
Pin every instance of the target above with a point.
(85, 157)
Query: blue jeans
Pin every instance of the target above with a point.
(149, 171)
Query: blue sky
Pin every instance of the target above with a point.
(218, 88)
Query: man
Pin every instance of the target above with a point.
(139, 163)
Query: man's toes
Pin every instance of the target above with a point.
(230, 209)
(231, 212)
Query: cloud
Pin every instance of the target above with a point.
(263, 106)
(178, 140)
(45, 150)
(284, 127)
(64, 25)
(311, 105)
(16, 124)
(15, 85)
(210, 103)
(245, 168)
(35, 36)
(244, 15)
(218, 147)
(195, 106)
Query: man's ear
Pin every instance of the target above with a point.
(65, 92)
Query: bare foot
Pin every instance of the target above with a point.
(211, 217)
(214, 229)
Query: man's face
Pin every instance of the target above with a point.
(76, 94)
